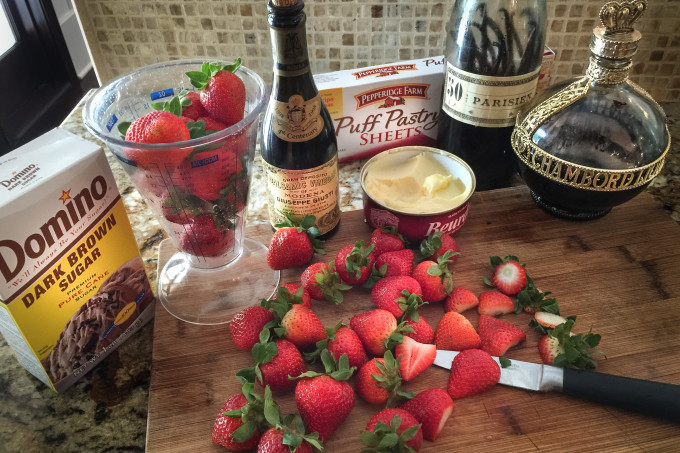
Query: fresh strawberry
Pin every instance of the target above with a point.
(563, 348)
(323, 283)
(287, 434)
(394, 294)
(206, 174)
(293, 293)
(422, 330)
(344, 340)
(294, 243)
(494, 303)
(157, 127)
(192, 109)
(204, 238)
(415, 357)
(386, 239)
(460, 299)
(379, 380)
(378, 330)
(246, 325)
(325, 400)
(548, 320)
(354, 262)
(274, 362)
(509, 276)
(472, 371)
(435, 279)
(437, 244)
(497, 335)
(222, 92)
(240, 420)
(398, 427)
(302, 327)
(212, 124)
(432, 408)
(456, 333)
(182, 209)
(391, 264)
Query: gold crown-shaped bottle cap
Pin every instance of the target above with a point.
(617, 38)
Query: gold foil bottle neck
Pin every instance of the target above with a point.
(284, 3)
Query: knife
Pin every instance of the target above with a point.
(648, 397)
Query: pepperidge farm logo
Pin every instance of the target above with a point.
(384, 71)
(21, 177)
(393, 95)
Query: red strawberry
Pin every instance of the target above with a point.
(325, 400)
(206, 174)
(435, 279)
(389, 264)
(494, 303)
(422, 330)
(181, 211)
(509, 276)
(302, 327)
(246, 325)
(386, 239)
(323, 283)
(415, 357)
(223, 93)
(497, 335)
(354, 262)
(294, 243)
(393, 293)
(286, 362)
(378, 381)
(375, 328)
(245, 408)
(460, 299)
(212, 124)
(432, 408)
(385, 424)
(437, 244)
(203, 238)
(272, 441)
(345, 341)
(563, 348)
(456, 333)
(193, 109)
(472, 371)
(158, 127)
(549, 348)
(294, 293)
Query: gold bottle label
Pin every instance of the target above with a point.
(297, 120)
(311, 191)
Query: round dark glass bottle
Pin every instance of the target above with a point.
(298, 144)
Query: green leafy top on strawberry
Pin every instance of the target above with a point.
(386, 438)
(200, 79)
(390, 378)
(532, 297)
(331, 284)
(431, 244)
(306, 225)
(358, 258)
(322, 344)
(410, 303)
(283, 302)
(294, 431)
(262, 352)
(340, 371)
(441, 269)
(252, 414)
(578, 348)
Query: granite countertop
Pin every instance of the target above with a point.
(107, 409)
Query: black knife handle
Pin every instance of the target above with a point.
(648, 397)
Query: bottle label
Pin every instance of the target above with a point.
(290, 50)
(485, 100)
(312, 191)
(297, 120)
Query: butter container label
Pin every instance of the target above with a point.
(72, 283)
(383, 107)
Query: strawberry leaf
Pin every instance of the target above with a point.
(123, 126)
(505, 362)
(431, 244)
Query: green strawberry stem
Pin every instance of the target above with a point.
(200, 79)
(252, 414)
(358, 258)
(340, 371)
(390, 378)
(578, 349)
(384, 438)
(292, 425)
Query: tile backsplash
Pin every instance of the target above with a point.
(342, 34)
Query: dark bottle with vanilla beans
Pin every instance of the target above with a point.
(493, 54)
(298, 144)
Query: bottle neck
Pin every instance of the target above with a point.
(605, 71)
(289, 40)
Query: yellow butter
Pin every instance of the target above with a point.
(417, 185)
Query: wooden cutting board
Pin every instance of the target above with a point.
(619, 274)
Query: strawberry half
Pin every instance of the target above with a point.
(460, 300)
(497, 335)
(494, 303)
(472, 371)
(456, 333)
(509, 276)
(415, 357)
(432, 408)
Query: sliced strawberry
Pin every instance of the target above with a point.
(472, 371)
(563, 348)
(494, 303)
(460, 300)
(432, 408)
(509, 276)
(548, 320)
(415, 357)
(497, 335)
(549, 348)
(456, 333)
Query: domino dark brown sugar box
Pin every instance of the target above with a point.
(72, 282)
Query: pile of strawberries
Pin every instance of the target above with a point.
(382, 348)
(209, 184)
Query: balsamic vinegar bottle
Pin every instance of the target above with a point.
(298, 144)
(493, 54)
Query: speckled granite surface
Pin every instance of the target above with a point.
(107, 409)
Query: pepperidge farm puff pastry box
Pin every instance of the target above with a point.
(72, 282)
(383, 107)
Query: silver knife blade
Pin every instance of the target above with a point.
(524, 375)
